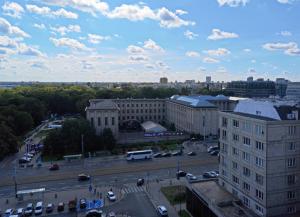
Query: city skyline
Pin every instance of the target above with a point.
(121, 41)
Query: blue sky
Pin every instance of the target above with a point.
(129, 40)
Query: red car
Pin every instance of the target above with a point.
(54, 167)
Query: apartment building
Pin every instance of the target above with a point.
(260, 156)
(191, 114)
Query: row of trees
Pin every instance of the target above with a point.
(67, 140)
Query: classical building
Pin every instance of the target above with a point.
(260, 156)
(191, 114)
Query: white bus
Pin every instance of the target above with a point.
(139, 155)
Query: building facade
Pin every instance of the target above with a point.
(260, 157)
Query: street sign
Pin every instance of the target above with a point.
(94, 204)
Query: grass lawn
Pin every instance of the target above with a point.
(174, 194)
(183, 213)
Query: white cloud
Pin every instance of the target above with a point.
(39, 26)
(192, 54)
(247, 50)
(138, 58)
(217, 34)
(210, 60)
(181, 12)
(162, 65)
(66, 29)
(285, 33)
(169, 19)
(13, 9)
(218, 52)
(290, 48)
(46, 11)
(285, 1)
(29, 51)
(233, 3)
(135, 49)
(96, 39)
(151, 45)
(7, 28)
(68, 42)
(190, 35)
(7, 42)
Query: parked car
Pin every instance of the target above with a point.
(9, 212)
(212, 148)
(28, 155)
(83, 177)
(49, 208)
(72, 205)
(177, 153)
(38, 208)
(20, 212)
(54, 167)
(190, 176)
(192, 153)
(61, 207)
(111, 196)
(23, 160)
(210, 174)
(166, 154)
(180, 173)
(82, 203)
(140, 182)
(214, 153)
(93, 213)
(157, 155)
(29, 209)
(111, 214)
(162, 211)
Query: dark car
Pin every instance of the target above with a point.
(82, 203)
(157, 155)
(177, 153)
(94, 213)
(167, 154)
(140, 182)
(61, 207)
(49, 208)
(214, 153)
(180, 173)
(83, 177)
(54, 167)
(192, 153)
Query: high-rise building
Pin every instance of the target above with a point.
(208, 79)
(293, 91)
(259, 156)
(163, 80)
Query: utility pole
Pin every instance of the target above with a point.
(82, 146)
(15, 180)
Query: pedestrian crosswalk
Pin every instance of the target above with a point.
(133, 189)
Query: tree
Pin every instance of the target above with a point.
(108, 139)
(8, 141)
(23, 122)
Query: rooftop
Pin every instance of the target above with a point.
(198, 101)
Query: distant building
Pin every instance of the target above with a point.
(281, 86)
(163, 80)
(258, 88)
(259, 156)
(250, 79)
(293, 91)
(208, 79)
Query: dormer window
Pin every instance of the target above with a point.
(258, 112)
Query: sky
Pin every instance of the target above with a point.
(141, 41)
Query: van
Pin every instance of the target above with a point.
(38, 208)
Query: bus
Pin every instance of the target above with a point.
(139, 155)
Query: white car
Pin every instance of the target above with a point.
(212, 148)
(111, 196)
(20, 212)
(28, 155)
(29, 209)
(190, 176)
(9, 212)
(38, 208)
(162, 211)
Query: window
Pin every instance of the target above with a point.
(246, 156)
(235, 179)
(224, 122)
(259, 179)
(132, 105)
(112, 121)
(259, 145)
(224, 134)
(246, 141)
(136, 111)
(235, 123)
(224, 147)
(92, 122)
(292, 130)
(259, 209)
(99, 121)
(259, 194)
(234, 165)
(246, 171)
(106, 121)
(224, 173)
(259, 130)
(235, 192)
(247, 127)
(291, 162)
(291, 195)
(246, 201)
(235, 137)
(291, 209)
(235, 151)
(292, 146)
(291, 179)
(246, 186)
(223, 161)
(259, 162)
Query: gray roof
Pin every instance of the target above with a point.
(102, 104)
(199, 101)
